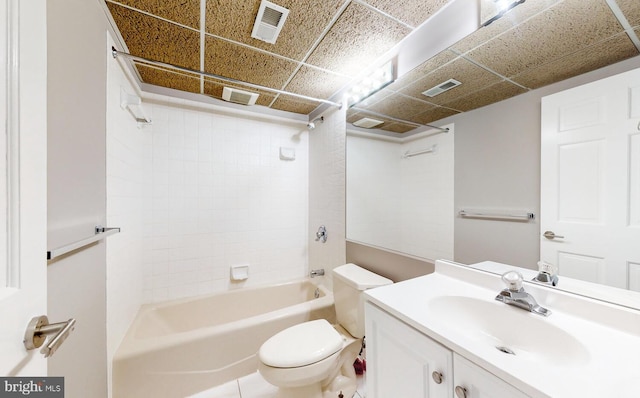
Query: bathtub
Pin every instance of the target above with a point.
(178, 348)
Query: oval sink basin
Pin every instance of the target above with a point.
(512, 331)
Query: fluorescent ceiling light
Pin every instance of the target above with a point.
(372, 83)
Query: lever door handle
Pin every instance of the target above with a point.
(38, 330)
(551, 235)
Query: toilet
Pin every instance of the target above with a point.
(315, 359)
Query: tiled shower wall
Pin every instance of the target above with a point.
(327, 191)
(402, 204)
(222, 196)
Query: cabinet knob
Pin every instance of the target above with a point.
(437, 377)
(461, 392)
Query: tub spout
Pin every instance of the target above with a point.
(316, 272)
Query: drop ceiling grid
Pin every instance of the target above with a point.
(411, 12)
(529, 46)
(185, 12)
(155, 38)
(358, 38)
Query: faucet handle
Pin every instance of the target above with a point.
(513, 280)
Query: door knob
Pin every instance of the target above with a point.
(551, 235)
(437, 377)
(38, 330)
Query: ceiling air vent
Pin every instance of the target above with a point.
(441, 88)
(367, 123)
(239, 96)
(269, 22)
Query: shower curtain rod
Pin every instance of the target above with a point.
(442, 130)
(117, 53)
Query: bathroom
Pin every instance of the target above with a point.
(113, 183)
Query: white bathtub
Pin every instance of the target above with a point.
(178, 348)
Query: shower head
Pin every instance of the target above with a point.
(312, 124)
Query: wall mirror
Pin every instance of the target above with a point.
(370, 217)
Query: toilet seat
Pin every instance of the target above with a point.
(301, 345)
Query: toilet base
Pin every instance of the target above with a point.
(312, 391)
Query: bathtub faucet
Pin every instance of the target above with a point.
(316, 272)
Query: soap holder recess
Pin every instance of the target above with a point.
(239, 272)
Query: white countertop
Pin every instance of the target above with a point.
(600, 357)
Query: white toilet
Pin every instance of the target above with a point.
(315, 359)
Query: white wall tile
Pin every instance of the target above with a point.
(218, 198)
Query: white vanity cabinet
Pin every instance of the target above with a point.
(403, 362)
(471, 381)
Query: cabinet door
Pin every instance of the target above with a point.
(401, 361)
(478, 383)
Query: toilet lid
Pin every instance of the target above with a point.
(301, 345)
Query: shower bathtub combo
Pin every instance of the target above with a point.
(179, 348)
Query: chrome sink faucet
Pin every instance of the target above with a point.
(515, 295)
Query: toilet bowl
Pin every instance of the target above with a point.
(311, 360)
(315, 359)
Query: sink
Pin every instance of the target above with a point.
(510, 330)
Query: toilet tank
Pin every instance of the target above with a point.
(349, 282)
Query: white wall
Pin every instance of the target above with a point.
(77, 190)
(222, 196)
(327, 191)
(402, 204)
(128, 197)
(497, 165)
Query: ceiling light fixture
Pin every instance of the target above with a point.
(501, 7)
(372, 83)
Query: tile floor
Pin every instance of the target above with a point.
(254, 386)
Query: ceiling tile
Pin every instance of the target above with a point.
(293, 104)
(616, 49)
(631, 10)
(242, 63)
(565, 28)
(400, 106)
(156, 39)
(307, 19)
(397, 127)
(214, 88)
(511, 19)
(497, 92)
(185, 12)
(359, 37)
(315, 83)
(166, 78)
(472, 77)
(434, 114)
(411, 12)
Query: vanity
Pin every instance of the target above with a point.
(446, 335)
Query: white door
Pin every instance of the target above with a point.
(23, 181)
(590, 181)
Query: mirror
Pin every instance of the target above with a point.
(499, 182)
(400, 192)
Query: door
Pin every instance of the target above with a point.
(590, 181)
(23, 181)
(403, 362)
